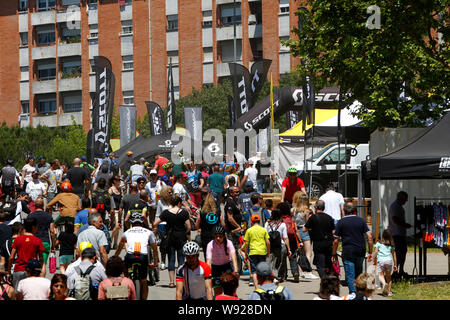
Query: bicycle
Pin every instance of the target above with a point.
(133, 274)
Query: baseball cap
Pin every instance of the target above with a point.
(255, 218)
(263, 269)
(34, 264)
(153, 171)
(105, 154)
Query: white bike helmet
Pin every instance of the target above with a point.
(191, 248)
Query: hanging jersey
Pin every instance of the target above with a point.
(138, 239)
(194, 280)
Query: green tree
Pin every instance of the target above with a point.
(343, 46)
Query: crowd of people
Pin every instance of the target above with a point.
(150, 211)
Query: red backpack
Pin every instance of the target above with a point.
(290, 229)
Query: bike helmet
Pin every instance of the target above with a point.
(218, 229)
(292, 169)
(191, 248)
(66, 186)
(136, 218)
(167, 165)
(84, 245)
(129, 153)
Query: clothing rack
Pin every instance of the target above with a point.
(418, 240)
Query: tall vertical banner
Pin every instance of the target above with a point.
(156, 118)
(258, 75)
(242, 94)
(102, 111)
(171, 122)
(231, 111)
(194, 127)
(292, 118)
(127, 124)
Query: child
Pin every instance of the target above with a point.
(269, 205)
(68, 241)
(385, 259)
(365, 286)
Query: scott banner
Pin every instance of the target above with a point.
(127, 124)
(102, 111)
(171, 122)
(156, 118)
(193, 122)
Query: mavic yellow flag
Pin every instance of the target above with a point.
(272, 122)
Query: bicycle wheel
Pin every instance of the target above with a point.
(137, 283)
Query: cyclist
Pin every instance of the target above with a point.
(194, 276)
(68, 202)
(138, 241)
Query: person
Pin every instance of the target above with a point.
(267, 289)
(137, 170)
(27, 170)
(82, 246)
(365, 287)
(257, 201)
(17, 230)
(209, 217)
(269, 205)
(5, 231)
(279, 246)
(250, 174)
(169, 177)
(67, 243)
(101, 199)
(154, 187)
(178, 229)
(233, 221)
(138, 240)
(116, 192)
(58, 288)
(139, 209)
(291, 185)
(329, 288)
(229, 282)
(232, 180)
(114, 166)
(385, 259)
(94, 234)
(79, 179)
(334, 203)
(216, 182)
(352, 231)
(245, 202)
(27, 246)
(163, 204)
(35, 286)
(320, 227)
(46, 229)
(104, 174)
(53, 177)
(205, 172)
(194, 183)
(115, 278)
(194, 276)
(68, 202)
(86, 166)
(87, 266)
(42, 166)
(221, 257)
(10, 178)
(159, 162)
(398, 226)
(301, 213)
(180, 188)
(257, 242)
(81, 217)
(35, 188)
(7, 291)
(127, 163)
(129, 200)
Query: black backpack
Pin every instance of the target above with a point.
(274, 238)
(101, 200)
(271, 295)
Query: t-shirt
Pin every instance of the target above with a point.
(351, 229)
(224, 297)
(230, 206)
(9, 174)
(77, 176)
(263, 214)
(53, 176)
(95, 236)
(271, 286)
(5, 234)
(333, 201)
(44, 220)
(35, 189)
(396, 210)
(138, 239)
(67, 242)
(160, 162)
(245, 201)
(292, 188)
(28, 171)
(321, 228)
(216, 252)
(251, 174)
(27, 247)
(384, 252)
(179, 189)
(216, 182)
(42, 169)
(97, 274)
(128, 200)
(105, 176)
(82, 217)
(280, 227)
(109, 282)
(137, 170)
(69, 204)
(193, 181)
(34, 288)
(138, 209)
(177, 222)
(194, 280)
(208, 220)
(154, 188)
(256, 237)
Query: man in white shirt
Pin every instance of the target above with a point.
(34, 287)
(250, 174)
(35, 188)
(334, 203)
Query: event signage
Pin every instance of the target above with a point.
(156, 118)
(171, 123)
(127, 115)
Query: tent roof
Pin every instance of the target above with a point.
(425, 157)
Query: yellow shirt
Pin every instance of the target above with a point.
(256, 237)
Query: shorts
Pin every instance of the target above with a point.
(142, 260)
(65, 258)
(304, 235)
(218, 270)
(254, 260)
(384, 266)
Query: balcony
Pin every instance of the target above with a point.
(44, 86)
(70, 84)
(44, 52)
(67, 119)
(43, 17)
(69, 49)
(227, 33)
(45, 120)
(218, 2)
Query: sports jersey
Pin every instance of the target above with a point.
(138, 239)
(194, 280)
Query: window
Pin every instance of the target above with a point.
(172, 22)
(45, 36)
(23, 5)
(71, 69)
(67, 3)
(93, 31)
(45, 5)
(127, 27)
(72, 103)
(24, 38)
(128, 97)
(127, 62)
(70, 35)
(25, 106)
(172, 56)
(333, 157)
(46, 72)
(284, 6)
(207, 54)
(227, 14)
(46, 106)
(207, 19)
(24, 73)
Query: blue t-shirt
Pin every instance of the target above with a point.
(384, 252)
(351, 229)
(81, 218)
(216, 182)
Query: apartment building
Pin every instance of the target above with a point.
(47, 56)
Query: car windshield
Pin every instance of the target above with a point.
(320, 152)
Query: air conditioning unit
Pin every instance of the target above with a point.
(23, 117)
(252, 19)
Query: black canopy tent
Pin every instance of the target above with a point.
(425, 157)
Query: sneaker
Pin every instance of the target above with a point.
(250, 283)
(385, 290)
(389, 294)
(296, 278)
(302, 275)
(163, 266)
(311, 276)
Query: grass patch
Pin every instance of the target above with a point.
(421, 291)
